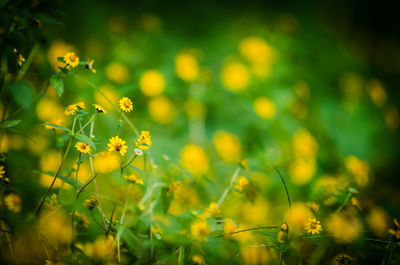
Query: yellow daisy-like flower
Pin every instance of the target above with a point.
(118, 145)
(200, 230)
(71, 59)
(99, 108)
(242, 182)
(144, 140)
(83, 148)
(313, 226)
(81, 105)
(90, 65)
(2, 172)
(134, 179)
(125, 104)
(71, 109)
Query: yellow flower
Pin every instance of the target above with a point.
(118, 145)
(396, 232)
(106, 94)
(13, 202)
(359, 169)
(198, 259)
(134, 179)
(144, 140)
(304, 144)
(20, 58)
(81, 105)
(48, 109)
(200, 230)
(162, 110)
(264, 107)
(378, 221)
(56, 122)
(186, 66)
(106, 162)
(302, 170)
(2, 172)
(256, 255)
(282, 233)
(117, 72)
(345, 229)
(71, 109)
(99, 108)
(71, 59)
(313, 226)
(227, 146)
(83, 148)
(256, 50)
(194, 159)
(152, 83)
(52, 226)
(298, 216)
(90, 65)
(377, 92)
(103, 248)
(212, 210)
(229, 227)
(235, 76)
(242, 182)
(125, 104)
(92, 202)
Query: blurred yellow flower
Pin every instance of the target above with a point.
(194, 159)
(57, 48)
(105, 95)
(304, 144)
(359, 169)
(2, 172)
(396, 232)
(152, 83)
(125, 104)
(264, 107)
(235, 76)
(162, 110)
(133, 178)
(255, 255)
(83, 148)
(13, 202)
(313, 226)
(106, 162)
(229, 227)
(256, 212)
(118, 145)
(200, 230)
(376, 92)
(298, 217)
(344, 229)
(71, 109)
(20, 58)
(256, 50)
(198, 259)
(104, 248)
(302, 170)
(242, 182)
(227, 146)
(71, 59)
(212, 210)
(186, 66)
(55, 122)
(99, 108)
(117, 72)
(48, 109)
(52, 226)
(144, 140)
(378, 221)
(392, 118)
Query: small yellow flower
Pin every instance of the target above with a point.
(2, 172)
(264, 107)
(99, 108)
(13, 202)
(125, 104)
(134, 179)
(20, 58)
(144, 140)
(396, 232)
(54, 121)
(313, 226)
(71, 59)
(118, 145)
(71, 109)
(229, 227)
(81, 105)
(200, 230)
(90, 65)
(242, 182)
(152, 83)
(91, 203)
(198, 259)
(83, 148)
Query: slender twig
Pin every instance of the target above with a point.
(226, 191)
(84, 186)
(111, 218)
(27, 63)
(251, 229)
(95, 220)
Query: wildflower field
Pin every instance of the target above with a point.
(199, 133)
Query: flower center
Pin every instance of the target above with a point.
(72, 57)
(118, 147)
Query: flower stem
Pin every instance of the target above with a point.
(226, 191)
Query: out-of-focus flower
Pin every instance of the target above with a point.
(242, 182)
(194, 159)
(71, 59)
(83, 148)
(90, 65)
(186, 66)
(20, 58)
(2, 172)
(281, 236)
(235, 76)
(313, 226)
(54, 121)
(52, 226)
(304, 144)
(184, 198)
(48, 109)
(378, 221)
(256, 255)
(256, 50)
(150, 22)
(359, 169)
(103, 249)
(144, 140)
(133, 178)
(125, 104)
(298, 217)
(198, 259)
(99, 108)
(152, 83)
(71, 109)
(396, 232)
(117, 72)
(264, 107)
(229, 227)
(212, 210)
(106, 94)
(82, 219)
(227, 146)
(302, 170)
(344, 229)
(57, 48)
(106, 162)
(200, 230)
(256, 212)
(376, 92)
(91, 203)
(162, 110)
(13, 202)
(118, 145)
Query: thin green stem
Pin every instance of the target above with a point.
(226, 191)
(27, 63)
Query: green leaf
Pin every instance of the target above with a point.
(22, 93)
(353, 190)
(58, 83)
(86, 140)
(57, 126)
(9, 124)
(60, 59)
